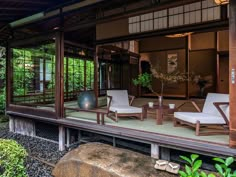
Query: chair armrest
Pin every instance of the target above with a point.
(131, 99)
(217, 105)
(109, 102)
(193, 103)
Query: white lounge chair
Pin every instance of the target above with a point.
(215, 114)
(118, 103)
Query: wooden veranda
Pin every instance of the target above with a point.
(96, 37)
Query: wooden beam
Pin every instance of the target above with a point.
(11, 14)
(18, 8)
(27, 1)
(32, 40)
(78, 45)
(232, 67)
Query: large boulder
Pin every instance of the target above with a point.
(101, 160)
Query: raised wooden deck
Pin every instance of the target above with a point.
(146, 131)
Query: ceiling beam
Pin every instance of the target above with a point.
(18, 8)
(27, 1)
(11, 14)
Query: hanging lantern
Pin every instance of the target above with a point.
(221, 2)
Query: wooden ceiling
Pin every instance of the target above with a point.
(79, 24)
(12, 10)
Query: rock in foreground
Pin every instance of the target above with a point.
(101, 160)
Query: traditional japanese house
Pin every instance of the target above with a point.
(58, 52)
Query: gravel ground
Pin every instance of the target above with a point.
(45, 150)
(38, 148)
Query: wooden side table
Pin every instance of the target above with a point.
(98, 111)
(158, 111)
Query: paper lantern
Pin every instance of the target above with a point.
(221, 2)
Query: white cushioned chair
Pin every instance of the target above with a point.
(215, 114)
(119, 102)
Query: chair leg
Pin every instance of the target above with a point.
(141, 116)
(175, 122)
(197, 128)
(116, 116)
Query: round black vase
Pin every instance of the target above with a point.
(86, 100)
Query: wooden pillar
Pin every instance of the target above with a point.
(67, 79)
(8, 75)
(61, 138)
(232, 67)
(187, 48)
(114, 141)
(59, 96)
(85, 74)
(67, 137)
(96, 88)
(11, 124)
(155, 151)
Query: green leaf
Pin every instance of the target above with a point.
(194, 157)
(228, 170)
(211, 175)
(197, 165)
(195, 174)
(186, 159)
(219, 168)
(203, 174)
(229, 161)
(188, 170)
(224, 167)
(182, 174)
(219, 160)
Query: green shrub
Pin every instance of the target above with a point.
(223, 167)
(12, 156)
(192, 167)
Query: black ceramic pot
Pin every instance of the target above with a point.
(86, 100)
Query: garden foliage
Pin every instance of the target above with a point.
(12, 156)
(193, 164)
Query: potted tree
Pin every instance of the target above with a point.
(145, 80)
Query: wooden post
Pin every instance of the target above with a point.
(59, 96)
(232, 67)
(155, 151)
(8, 75)
(187, 48)
(67, 79)
(96, 89)
(114, 141)
(11, 124)
(67, 137)
(61, 138)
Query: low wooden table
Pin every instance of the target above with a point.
(98, 111)
(159, 110)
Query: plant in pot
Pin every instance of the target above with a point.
(145, 80)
